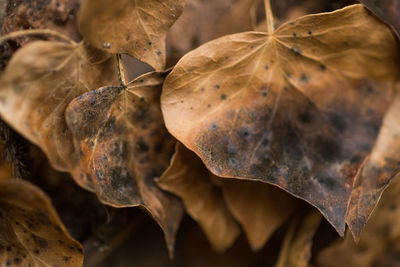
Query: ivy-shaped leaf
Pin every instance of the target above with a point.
(38, 84)
(138, 28)
(299, 107)
(31, 233)
(121, 145)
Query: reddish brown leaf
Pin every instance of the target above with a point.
(31, 233)
(38, 84)
(138, 28)
(188, 178)
(121, 145)
(299, 107)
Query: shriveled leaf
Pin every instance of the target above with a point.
(382, 165)
(121, 145)
(138, 28)
(260, 208)
(37, 85)
(188, 178)
(388, 10)
(379, 243)
(296, 248)
(299, 107)
(31, 233)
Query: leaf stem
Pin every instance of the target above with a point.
(121, 71)
(23, 33)
(269, 17)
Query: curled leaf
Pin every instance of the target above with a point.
(299, 107)
(187, 178)
(38, 84)
(121, 145)
(382, 165)
(31, 233)
(296, 248)
(259, 208)
(138, 28)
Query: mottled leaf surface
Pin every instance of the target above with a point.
(299, 107)
(121, 145)
(388, 10)
(38, 84)
(259, 208)
(138, 28)
(31, 233)
(188, 178)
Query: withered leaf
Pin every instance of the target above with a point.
(138, 28)
(388, 10)
(31, 233)
(379, 242)
(299, 107)
(188, 178)
(37, 85)
(260, 208)
(382, 165)
(296, 248)
(121, 145)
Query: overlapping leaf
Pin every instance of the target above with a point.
(31, 234)
(379, 243)
(299, 107)
(388, 10)
(37, 85)
(138, 28)
(252, 204)
(121, 145)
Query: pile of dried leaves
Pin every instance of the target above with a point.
(281, 127)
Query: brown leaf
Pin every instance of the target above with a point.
(296, 248)
(379, 243)
(299, 107)
(260, 208)
(37, 85)
(188, 178)
(138, 28)
(31, 233)
(121, 145)
(388, 10)
(382, 165)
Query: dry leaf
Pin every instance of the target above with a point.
(31, 233)
(37, 85)
(260, 208)
(299, 107)
(388, 10)
(379, 243)
(382, 165)
(121, 145)
(187, 178)
(296, 248)
(138, 28)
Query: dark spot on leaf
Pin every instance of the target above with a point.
(338, 122)
(294, 34)
(295, 50)
(266, 67)
(322, 67)
(304, 78)
(141, 146)
(327, 148)
(217, 86)
(223, 96)
(305, 117)
(244, 132)
(213, 127)
(309, 32)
